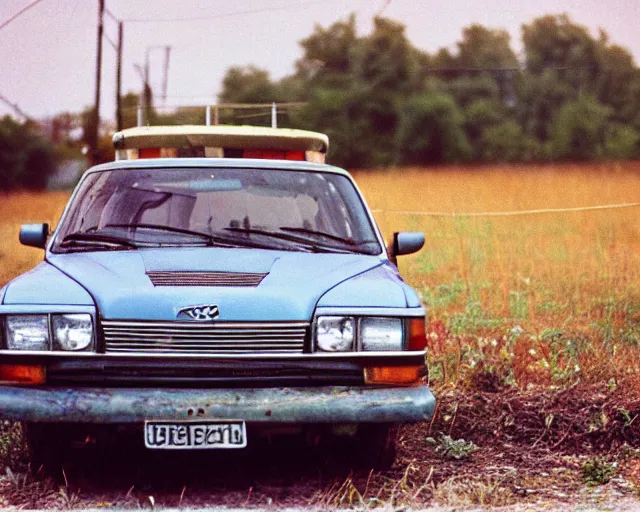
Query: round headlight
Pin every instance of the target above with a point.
(73, 331)
(335, 333)
(378, 334)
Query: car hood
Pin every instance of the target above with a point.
(295, 281)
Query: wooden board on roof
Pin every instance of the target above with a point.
(237, 137)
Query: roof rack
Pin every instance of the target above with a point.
(222, 141)
(212, 111)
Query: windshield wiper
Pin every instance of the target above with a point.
(310, 244)
(307, 231)
(171, 229)
(210, 239)
(360, 244)
(96, 239)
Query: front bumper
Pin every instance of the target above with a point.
(266, 405)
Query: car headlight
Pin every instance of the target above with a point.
(335, 333)
(378, 334)
(27, 332)
(369, 334)
(45, 332)
(72, 331)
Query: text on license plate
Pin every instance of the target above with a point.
(175, 435)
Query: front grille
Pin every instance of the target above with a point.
(171, 278)
(203, 373)
(131, 336)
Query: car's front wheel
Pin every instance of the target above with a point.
(47, 444)
(376, 445)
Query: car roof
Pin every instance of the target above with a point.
(235, 163)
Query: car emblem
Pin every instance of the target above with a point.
(201, 313)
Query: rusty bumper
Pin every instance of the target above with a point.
(267, 405)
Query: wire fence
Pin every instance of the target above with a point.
(511, 213)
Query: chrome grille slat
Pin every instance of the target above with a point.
(179, 278)
(162, 337)
(199, 339)
(203, 336)
(198, 342)
(211, 332)
(202, 346)
(197, 325)
(168, 351)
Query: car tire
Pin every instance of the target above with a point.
(47, 444)
(377, 445)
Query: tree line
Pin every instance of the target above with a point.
(382, 101)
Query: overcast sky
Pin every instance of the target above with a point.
(48, 54)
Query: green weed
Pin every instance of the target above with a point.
(452, 448)
(597, 471)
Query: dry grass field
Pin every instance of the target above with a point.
(24, 208)
(545, 298)
(534, 356)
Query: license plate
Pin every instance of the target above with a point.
(190, 435)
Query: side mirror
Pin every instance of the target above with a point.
(34, 235)
(406, 242)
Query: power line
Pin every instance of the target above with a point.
(524, 67)
(15, 108)
(111, 15)
(21, 11)
(228, 14)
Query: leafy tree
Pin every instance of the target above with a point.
(26, 158)
(579, 129)
(479, 116)
(540, 98)
(631, 109)
(336, 112)
(468, 89)
(386, 60)
(621, 142)
(328, 59)
(482, 47)
(555, 42)
(484, 63)
(615, 83)
(248, 85)
(505, 142)
(431, 130)
(360, 81)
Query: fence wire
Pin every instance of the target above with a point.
(511, 213)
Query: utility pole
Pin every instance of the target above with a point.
(96, 113)
(119, 79)
(167, 51)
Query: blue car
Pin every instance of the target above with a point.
(206, 300)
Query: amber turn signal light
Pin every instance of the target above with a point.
(22, 374)
(417, 334)
(398, 375)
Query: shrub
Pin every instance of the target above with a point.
(26, 158)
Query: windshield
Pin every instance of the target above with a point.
(126, 209)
